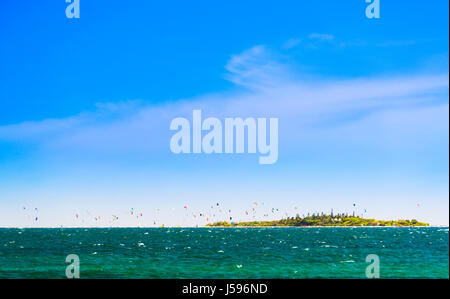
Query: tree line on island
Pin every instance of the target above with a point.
(323, 220)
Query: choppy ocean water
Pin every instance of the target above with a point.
(224, 252)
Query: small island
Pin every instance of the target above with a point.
(318, 220)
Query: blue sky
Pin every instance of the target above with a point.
(86, 107)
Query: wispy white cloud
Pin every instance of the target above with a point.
(312, 40)
(256, 68)
(267, 88)
(396, 43)
(321, 36)
(291, 43)
(316, 40)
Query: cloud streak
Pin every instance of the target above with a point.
(266, 88)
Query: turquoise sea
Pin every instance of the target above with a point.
(224, 252)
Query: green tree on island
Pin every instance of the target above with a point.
(324, 220)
